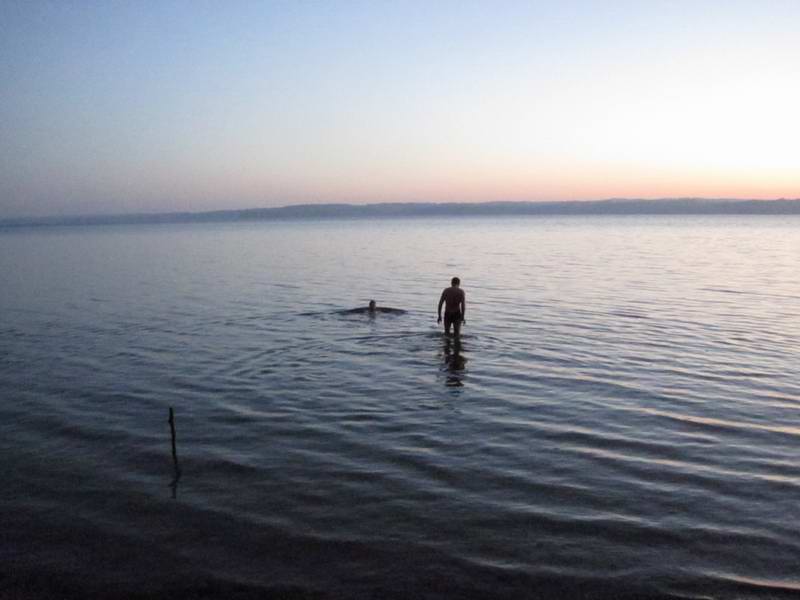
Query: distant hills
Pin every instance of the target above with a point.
(614, 206)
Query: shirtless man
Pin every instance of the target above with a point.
(455, 307)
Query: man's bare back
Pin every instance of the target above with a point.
(455, 304)
(453, 297)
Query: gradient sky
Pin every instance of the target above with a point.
(109, 107)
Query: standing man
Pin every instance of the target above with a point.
(455, 307)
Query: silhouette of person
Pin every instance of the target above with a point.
(455, 308)
(372, 308)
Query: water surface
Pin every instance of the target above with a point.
(621, 415)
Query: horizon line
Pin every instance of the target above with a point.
(106, 218)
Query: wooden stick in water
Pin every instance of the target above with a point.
(171, 422)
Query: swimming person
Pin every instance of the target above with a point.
(370, 308)
(455, 308)
(373, 308)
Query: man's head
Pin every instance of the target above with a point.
(455, 282)
(372, 306)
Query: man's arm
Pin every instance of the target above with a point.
(439, 309)
(463, 306)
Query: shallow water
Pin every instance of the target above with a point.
(621, 415)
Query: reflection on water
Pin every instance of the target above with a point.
(454, 361)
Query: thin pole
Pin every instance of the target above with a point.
(174, 484)
(171, 422)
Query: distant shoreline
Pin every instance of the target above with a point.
(667, 206)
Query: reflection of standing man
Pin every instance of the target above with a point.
(455, 307)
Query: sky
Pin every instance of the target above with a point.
(143, 106)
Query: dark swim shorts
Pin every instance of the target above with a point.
(451, 318)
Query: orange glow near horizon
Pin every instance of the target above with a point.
(540, 101)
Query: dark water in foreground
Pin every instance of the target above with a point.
(621, 418)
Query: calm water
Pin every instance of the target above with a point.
(622, 415)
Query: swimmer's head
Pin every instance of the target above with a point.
(371, 305)
(455, 281)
